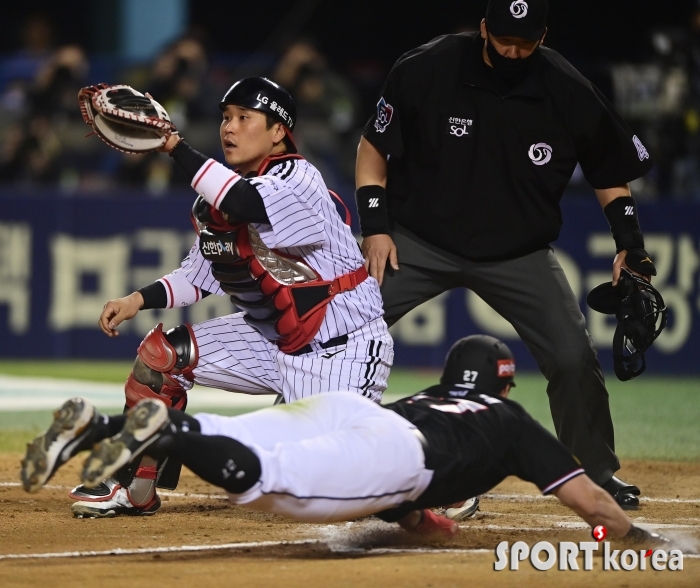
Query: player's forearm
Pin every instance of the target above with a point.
(241, 202)
(594, 505)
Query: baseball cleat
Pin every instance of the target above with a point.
(142, 428)
(110, 499)
(68, 434)
(466, 511)
(434, 524)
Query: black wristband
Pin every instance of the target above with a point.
(372, 208)
(154, 296)
(624, 223)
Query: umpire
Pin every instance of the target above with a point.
(459, 177)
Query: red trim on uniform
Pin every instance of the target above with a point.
(560, 481)
(197, 292)
(206, 169)
(170, 290)
(222, 192)
(348, 217)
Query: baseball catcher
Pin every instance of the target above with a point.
(269, 236)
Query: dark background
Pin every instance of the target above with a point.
(583, 30)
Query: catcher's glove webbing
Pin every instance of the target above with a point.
(641, 316)
(124, 118)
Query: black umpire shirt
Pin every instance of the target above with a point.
(476, 440)
(479, 174)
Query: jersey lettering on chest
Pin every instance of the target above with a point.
(458, 405)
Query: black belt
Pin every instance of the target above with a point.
(341, 340)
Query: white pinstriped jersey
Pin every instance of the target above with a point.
(305, 223)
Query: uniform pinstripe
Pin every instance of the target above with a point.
(304, 223)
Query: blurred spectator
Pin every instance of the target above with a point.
(328, 129)
(57, 83)
(652, 98)
(31, 153)
(19, 71)
(687, 169)
(178, 79)
(37, 36)
(39, 116)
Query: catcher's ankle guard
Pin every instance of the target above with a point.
(641, 316)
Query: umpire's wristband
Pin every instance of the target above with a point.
(624, 223)
(371, 206)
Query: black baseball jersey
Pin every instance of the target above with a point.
(476, 441)
(480, 174)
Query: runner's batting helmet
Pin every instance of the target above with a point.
(480, 363)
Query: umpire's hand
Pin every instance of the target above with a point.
(377, 249)
(116, 311)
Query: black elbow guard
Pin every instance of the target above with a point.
(372, 208)
(624, 225)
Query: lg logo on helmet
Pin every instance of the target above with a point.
(540, 153)
(519, 9)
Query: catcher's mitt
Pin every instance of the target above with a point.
(124, 118)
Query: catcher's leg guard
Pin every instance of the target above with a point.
(159, 355)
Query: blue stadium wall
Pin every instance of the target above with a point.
(62, 258)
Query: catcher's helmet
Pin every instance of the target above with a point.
(266, 96)
(479, 363)
(641, 316)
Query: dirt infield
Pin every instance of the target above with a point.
(199, 539)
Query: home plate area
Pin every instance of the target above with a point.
(199, 538)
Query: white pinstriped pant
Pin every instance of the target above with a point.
(233, 356)
(332, 457)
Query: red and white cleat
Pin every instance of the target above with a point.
(432, 524)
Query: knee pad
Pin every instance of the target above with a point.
(174, 351)
(159, 355)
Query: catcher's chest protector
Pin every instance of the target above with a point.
(284, 299)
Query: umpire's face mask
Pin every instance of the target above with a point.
(511, 71)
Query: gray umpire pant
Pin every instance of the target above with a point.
(531, 293)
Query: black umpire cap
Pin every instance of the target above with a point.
(266, 96)
(480, 363)
(525, 19)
